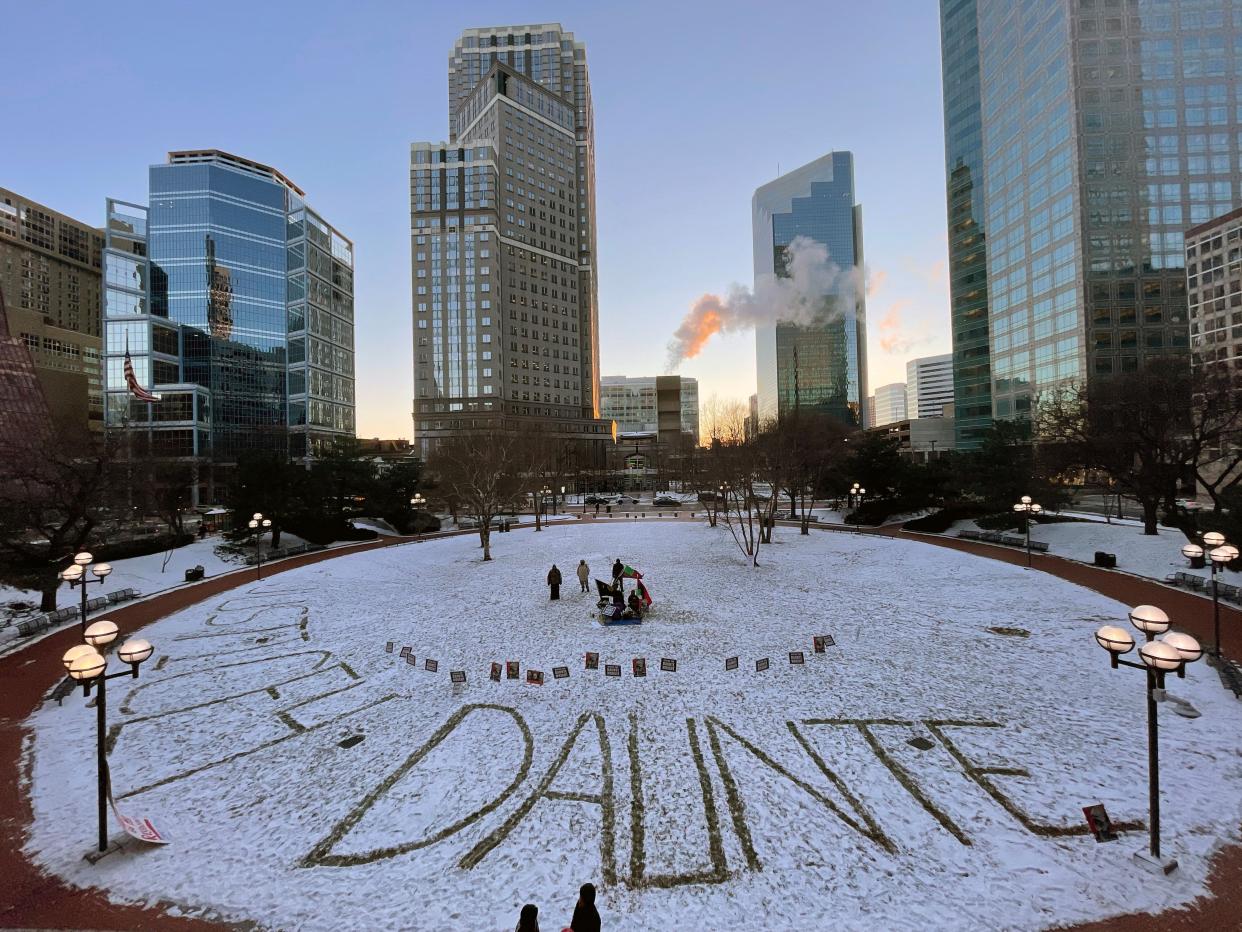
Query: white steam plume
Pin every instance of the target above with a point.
(798, 298)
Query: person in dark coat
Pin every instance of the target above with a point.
(617, 569)
(528, 919)
(554, 580)
(586, 916)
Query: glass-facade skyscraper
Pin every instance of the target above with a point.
(968, 268)
(1106, 130)
(235, 302)
(819, 367)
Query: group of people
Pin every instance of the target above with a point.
(585, 919)
(584, 576)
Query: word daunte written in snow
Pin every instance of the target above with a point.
(814, 290)
(718, 751)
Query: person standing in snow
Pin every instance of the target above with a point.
(584, 574)
(528, 919)
(586, 916)
(617, 569)
(554, 580)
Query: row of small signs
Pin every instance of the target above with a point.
(638, 666)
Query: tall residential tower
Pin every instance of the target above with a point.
(819, 367)
(503, 243)
(1102, 135)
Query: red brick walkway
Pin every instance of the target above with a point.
(32, 899)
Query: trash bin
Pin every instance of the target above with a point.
(609, 509)
(1106, 560)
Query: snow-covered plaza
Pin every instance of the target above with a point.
(927, 770)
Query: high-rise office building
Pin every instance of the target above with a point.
(1103, 134)
(505, 330)
(234, 301)
(552, 58)
(1214, 286)
(968, 270)
(50, 275)
(889, 404)
(819, 367)
(649, 403)
(929, 385)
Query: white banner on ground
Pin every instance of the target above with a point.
(142, 828)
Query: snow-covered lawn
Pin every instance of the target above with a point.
(310, 779)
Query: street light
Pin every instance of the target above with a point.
(259, 524)
(75, 576)
(417, 502)
(1168, 655)
(1027, 509)
(563, 502)
(1220, 554)
(86, 665)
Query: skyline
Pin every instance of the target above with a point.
(362, 125)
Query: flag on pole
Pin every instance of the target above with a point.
(630, 573)
(131, 380)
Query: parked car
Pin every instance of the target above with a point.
(596, 500)
(665, 502)
(707, 496)
(626, 500)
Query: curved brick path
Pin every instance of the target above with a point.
(32, 899)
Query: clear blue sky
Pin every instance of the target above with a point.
(696, 104)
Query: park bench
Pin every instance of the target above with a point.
(1226, 591)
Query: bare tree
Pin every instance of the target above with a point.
(1136, 427)
(812, 446)
(1215, 434)
(480, 471)
(52, 495)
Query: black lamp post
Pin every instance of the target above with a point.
(856, 499)
(76, 576)
(1028, 509)
(1220, 554)
(259, 524)
(417, 502)
(1168, 655)
(89, 667)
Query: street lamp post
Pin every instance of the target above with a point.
(76, 576)
(564, 504)
(88, 666)
(417, 502)
(1220, 554)
(1028, 509)
(259, 524)
(1168, 655)
(856, 499)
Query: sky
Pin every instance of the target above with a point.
(696, 104)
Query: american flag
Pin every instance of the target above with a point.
(132, 381)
